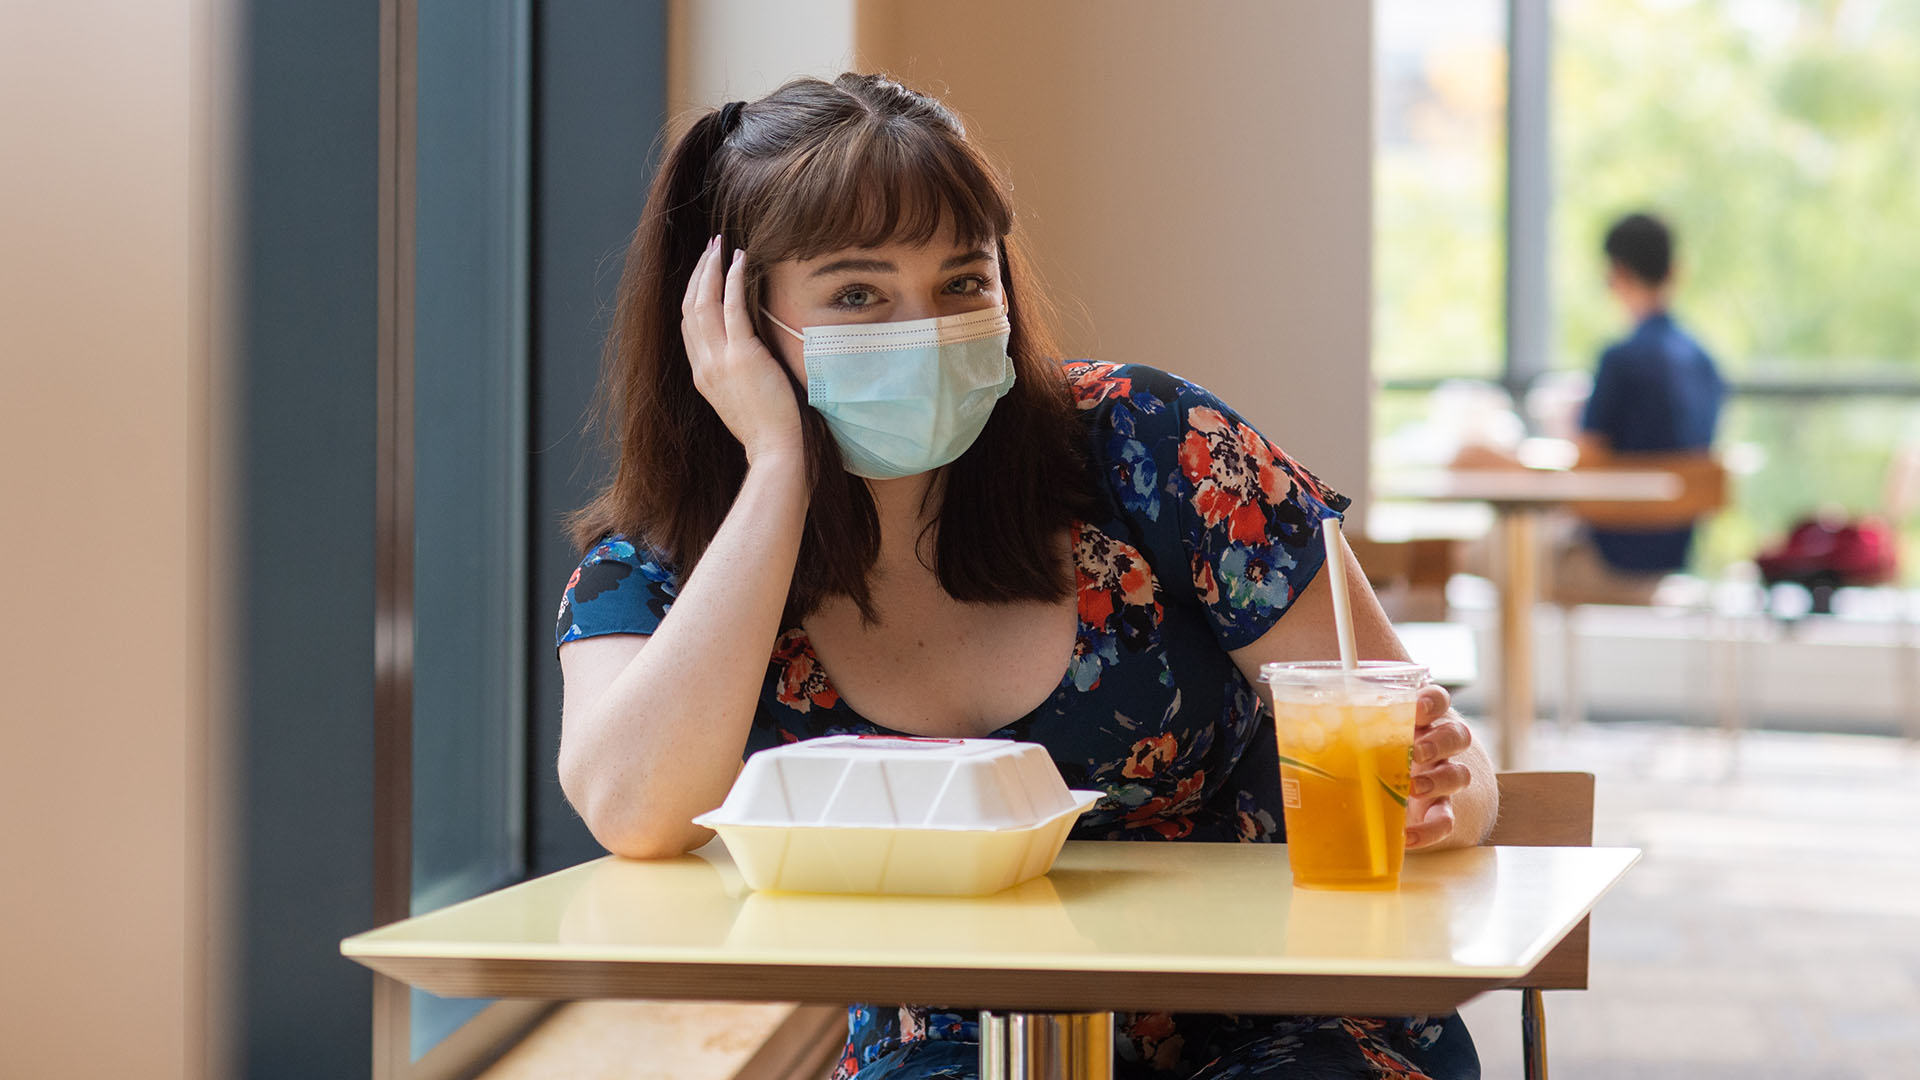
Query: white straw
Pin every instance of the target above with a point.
(1342, 608)
(1343, 628)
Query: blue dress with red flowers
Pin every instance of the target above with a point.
(1204, 534)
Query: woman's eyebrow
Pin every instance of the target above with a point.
(967, 259)
(882, 266)
(872, 266)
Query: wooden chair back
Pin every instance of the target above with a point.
(1704, 488)
(1426, 561)
(1409, 576)
(1549, 809)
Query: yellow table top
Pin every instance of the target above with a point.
(1114, 925)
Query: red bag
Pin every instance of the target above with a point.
(1833, 553)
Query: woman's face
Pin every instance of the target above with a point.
(892, 283)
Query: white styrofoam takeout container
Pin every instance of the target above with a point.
(893, 814)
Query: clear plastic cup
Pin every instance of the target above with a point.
(1346, 752)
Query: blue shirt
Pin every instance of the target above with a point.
(1657, 390)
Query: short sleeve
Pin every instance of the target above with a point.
(1247, 514)
(1220, 512)
(618, 588)
(1223, 515)
(1609, 396)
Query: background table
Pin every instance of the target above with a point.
(1517, 496)
(1446, 650)
(1115, 926)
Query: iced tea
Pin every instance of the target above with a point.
(1346, 743)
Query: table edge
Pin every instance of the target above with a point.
(1065, 989)
(365, 948)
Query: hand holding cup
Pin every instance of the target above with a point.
(1438, 737)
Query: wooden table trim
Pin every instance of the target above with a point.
(1522, 486)
(968, 988)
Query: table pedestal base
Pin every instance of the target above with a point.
(1519, 588)
(1046, 1046)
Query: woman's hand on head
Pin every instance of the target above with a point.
(1439, 739)
(732, 368)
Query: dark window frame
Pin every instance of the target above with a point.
(598, 98)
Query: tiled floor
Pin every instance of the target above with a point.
(1772, 928)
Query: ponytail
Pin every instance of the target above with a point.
(683, 196)
(645, 371)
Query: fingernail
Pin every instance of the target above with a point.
(1411, 839)
(1423, 752)
(1423, 785)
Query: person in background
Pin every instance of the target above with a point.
(1655, 391)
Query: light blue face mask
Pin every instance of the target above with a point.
(903, 398)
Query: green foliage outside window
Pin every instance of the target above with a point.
(1781, 138)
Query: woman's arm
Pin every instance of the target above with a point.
(652, 726)
(1455, 797)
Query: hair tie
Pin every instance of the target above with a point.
(730, 117)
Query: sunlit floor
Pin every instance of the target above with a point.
(1772, 928)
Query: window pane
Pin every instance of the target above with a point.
(1779, 137)
(470, 502)
(1439, 187)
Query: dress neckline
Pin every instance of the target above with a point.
(1078, 529)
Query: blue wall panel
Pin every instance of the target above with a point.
(307, 365)
(600, 78)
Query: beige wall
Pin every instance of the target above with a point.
(1195, 180)
(731, 50)
(103, 414)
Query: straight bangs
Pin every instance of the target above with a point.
(869, 182)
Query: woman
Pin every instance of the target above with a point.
(845, 441)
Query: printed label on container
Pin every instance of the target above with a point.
(1290, 793)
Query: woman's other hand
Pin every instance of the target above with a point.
(732, 367)
(1440, 770)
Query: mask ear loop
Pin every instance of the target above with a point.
(770, 317)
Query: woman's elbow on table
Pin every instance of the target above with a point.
(629, 832)
(656, 843)
(622, 824)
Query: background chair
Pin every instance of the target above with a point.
(1705, 488)
(1409, 576)
(1546, 809)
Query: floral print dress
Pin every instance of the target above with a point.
(1205, 533)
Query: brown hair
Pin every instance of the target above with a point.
(812, 168)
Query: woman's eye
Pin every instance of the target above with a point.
(967, 286)
(854, 297)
